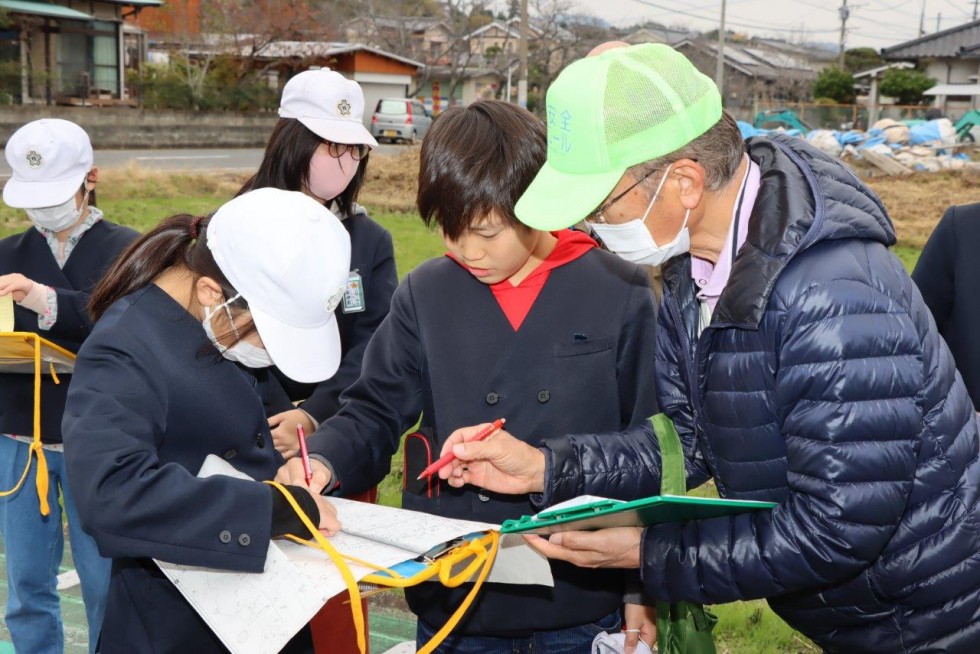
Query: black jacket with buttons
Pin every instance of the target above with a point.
(150, 399)
(30, 255)
(582, 360)
(947, 275)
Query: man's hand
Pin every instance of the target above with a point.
(640, 624)
(17, 284)
(283, 426)
(500, 463)
(292, 473)
(618, 547)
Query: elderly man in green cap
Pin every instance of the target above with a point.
(796, 359)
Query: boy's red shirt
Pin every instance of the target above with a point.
(516, 301)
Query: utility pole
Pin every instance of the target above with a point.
(922, 19)
(720, 66)
(522, 72)
(974, 9)
(844, 15)
(939, 20)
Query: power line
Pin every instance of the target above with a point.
(713, 19)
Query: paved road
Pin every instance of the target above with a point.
(228, 159)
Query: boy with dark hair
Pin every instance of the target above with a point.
(540, 328)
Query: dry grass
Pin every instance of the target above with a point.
(136, 181)
(917, 202)
(392, 182)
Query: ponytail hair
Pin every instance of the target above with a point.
(178, 241)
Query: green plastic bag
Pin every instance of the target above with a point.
(682, 627)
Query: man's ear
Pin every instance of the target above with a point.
(690, 182)
(208, 292)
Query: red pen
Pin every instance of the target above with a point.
(304, 454)
(449, 457)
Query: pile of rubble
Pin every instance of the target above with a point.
(893, 147)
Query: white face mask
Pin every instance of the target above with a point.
(241, 352)
(60, 217)
(329, 176)
(633, 241)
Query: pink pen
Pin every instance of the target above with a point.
(304, 454)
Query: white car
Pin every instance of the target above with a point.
(400, 119)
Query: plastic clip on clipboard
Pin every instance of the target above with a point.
(440, 562)
(604, 514)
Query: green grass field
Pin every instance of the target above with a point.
(141, 200)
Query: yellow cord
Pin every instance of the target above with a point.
(442, 568)
(338, 560)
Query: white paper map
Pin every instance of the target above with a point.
(257, 613)
(7, 313)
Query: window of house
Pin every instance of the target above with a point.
(105, 58)
(10, 72)
(88, 58)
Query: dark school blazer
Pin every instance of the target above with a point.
(28, 253)
(150, 399)
(372, 257)
(582, 360)
(948, 276)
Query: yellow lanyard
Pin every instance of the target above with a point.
(483, 552)
(35, 450)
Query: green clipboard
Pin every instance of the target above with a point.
(603, 514)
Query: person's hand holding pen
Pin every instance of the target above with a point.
(500, 463)
(293, 473)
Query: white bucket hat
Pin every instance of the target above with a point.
(289, 257)
(50, 159)
(329, 105)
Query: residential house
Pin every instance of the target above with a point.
(380, 74)
(422, 38)
(657, 33)
(952, 58)
(68, 52)
(754, 75)
(444, 86)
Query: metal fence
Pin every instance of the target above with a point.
(833, 116)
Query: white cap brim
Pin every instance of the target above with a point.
(349, 132)
(306, 355)
(21, 194)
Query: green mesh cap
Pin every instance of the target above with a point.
(607, 113)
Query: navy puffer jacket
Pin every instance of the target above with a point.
(821, 384)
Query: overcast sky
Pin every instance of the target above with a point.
(874, 23)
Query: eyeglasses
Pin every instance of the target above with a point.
(357, 151)
(596, 216)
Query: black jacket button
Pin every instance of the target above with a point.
(260, 440)
(230, 453)
(225, 537)
(244, 540)
(544, 395)
(492, 398)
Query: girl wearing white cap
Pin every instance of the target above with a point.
(321, 148)
(49, 270)
(155, 392)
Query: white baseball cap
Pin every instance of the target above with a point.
(329, 105)
(50, 159)
(289, 257)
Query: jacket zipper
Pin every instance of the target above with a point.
(691, 355)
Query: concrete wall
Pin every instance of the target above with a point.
(111, 128)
